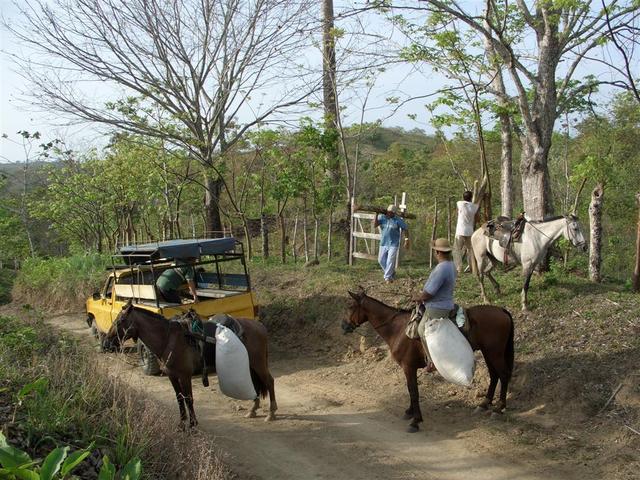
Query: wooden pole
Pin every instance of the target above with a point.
(433, 232)
(449, 219)
(351, 239)
(595, 222)
(636, 271)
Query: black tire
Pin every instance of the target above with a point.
(92, 325)
(148, 361)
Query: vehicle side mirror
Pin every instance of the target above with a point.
(96, 295)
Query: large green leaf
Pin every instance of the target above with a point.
(73, 460)
(108, 471)
(132, 470)
(53, 462)
(11, 457)
(25, 474)
(38, 385)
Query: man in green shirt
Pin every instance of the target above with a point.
(172, 280)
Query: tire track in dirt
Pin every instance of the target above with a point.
(327, 430)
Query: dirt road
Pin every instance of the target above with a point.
(334, 425)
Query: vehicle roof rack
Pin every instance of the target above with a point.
(176, 249)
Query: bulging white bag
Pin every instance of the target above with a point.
(450, 351)
(232, 366)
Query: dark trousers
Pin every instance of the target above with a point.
(170, 296)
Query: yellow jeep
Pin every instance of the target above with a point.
(221, 279)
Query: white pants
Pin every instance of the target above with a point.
(461, 246)
(387, 260)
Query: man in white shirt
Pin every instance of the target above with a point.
(464, 229)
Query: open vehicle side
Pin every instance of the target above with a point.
(222, 281)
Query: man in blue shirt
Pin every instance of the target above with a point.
(390, 225)
(437, 294)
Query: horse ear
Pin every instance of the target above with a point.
(353, 295)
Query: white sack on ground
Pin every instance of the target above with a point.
(450, 351)
(232, 366)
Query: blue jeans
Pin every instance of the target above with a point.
(387, 260)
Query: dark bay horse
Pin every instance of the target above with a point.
(168, 341)
(490, 331)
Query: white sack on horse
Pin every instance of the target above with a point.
(450, 351)
(232, 366)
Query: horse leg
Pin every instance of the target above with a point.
(493, 383)
(187, 390)
(528, 271)
(256, 405)
(273, 405)
(412, 385)
(175, 383)
(494, 282)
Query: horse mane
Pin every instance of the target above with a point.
(547, 219)
(397, 310)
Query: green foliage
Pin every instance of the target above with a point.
(57, 465)
(66, 279)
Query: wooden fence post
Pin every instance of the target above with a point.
(449, 219)
(433, 232)
(595, 224)
(636, 271)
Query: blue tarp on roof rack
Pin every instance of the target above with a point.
(171, 249)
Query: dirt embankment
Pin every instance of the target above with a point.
(341, 398)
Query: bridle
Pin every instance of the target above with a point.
(116, 325)
(570, 234)
(353, 326)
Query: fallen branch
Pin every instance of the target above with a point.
(615, 392)
(611, 301)
(633, 430)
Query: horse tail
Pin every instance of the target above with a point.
(261, 388)
(509, 352)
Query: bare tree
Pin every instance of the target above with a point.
(562, 32)
(216, 67)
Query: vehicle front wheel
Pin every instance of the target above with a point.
(149, 362)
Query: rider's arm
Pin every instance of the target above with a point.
(423, 296)
(376, 222)
(192, 289)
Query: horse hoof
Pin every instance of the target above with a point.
(412, 428)
(251, 414)
(270, 417)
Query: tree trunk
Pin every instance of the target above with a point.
(434, 228)
(595, 221)
(247, 235)
(535, 181)
(316, 238)
(283, 238)
(636, 272)
(264, 233)
(305, 233)
(329, 236)
(295, 239)
(213, 224)
(506, 166)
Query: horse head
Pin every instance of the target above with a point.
(121, 329)
(573, 232)
(357, 315)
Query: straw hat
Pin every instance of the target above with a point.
(392, 208)
(441, 245)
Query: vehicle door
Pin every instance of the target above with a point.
(103, 309)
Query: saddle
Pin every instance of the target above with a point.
(460, 321)
(506, 231)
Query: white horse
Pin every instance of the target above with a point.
(529, 251)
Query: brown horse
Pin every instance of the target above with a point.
(490, 331)
(169, 342)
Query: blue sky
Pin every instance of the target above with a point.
(17, 113)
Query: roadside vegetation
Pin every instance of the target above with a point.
(54, 396)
